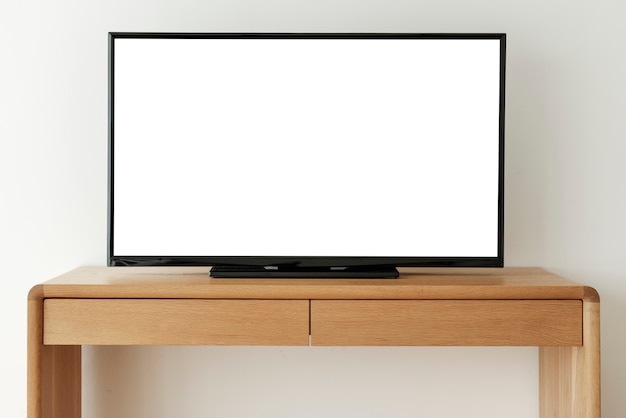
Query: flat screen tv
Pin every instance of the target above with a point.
(306, 155)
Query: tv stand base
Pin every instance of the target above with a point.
(366, 272)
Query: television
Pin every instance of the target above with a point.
(306, 154)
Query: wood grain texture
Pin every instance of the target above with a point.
(176, 321)
(569, 377)
(182, 305)
(446, 322)
(413, 283)
(34, 352)
(53, 372)
(61, 381)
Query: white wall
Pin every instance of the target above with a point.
(565, 197)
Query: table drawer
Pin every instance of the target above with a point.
(447, 322)
(175, 321)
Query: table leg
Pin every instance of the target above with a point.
(569, 377)
(61, 381)
(54, 371)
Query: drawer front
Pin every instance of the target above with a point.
(176, 322)
(446, 322)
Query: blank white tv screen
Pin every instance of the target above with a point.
(305, 147)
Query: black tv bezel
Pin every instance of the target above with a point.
(303, 261)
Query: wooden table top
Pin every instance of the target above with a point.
(413, 283)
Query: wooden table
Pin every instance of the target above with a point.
(440, 307)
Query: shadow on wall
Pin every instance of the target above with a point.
(533, 88)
